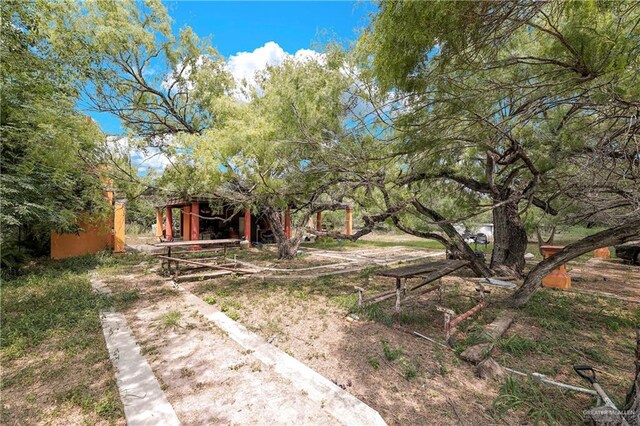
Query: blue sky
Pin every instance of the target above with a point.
(246, 26)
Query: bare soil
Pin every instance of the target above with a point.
(427, 384)
(367, 352)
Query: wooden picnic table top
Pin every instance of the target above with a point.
(226, 241)
(409, 271)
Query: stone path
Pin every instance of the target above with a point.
(144, 401)
(215, 371)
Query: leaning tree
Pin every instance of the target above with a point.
(500, 98)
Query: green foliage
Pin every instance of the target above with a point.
(502, 100)
(48, 149)
(541, 405)
(391, 354)
(171, 319)
(374, 363)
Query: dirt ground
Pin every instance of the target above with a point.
(407, 379)
(425, 383)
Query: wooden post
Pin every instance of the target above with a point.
(349, 221)
(287, 222)
(186, 223)
(319, 221)
(119, 228)
(169, 224)
(159, 221)
(247, 225)
(398, 295)
(195, 221)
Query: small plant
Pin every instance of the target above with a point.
(171, 319)
(374, 363)
(543, 406)
(210, 300)
(390, 354)
(410, 370)
(519, 346)
(186, 372)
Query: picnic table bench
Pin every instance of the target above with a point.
(429, 272)
(224, 243)
(220, 244)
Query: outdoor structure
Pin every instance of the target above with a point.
(208, 218)
(602, 253)
(96, 234)
(205, 218)
(558, 278)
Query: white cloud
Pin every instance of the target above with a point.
(244, 65)
(142, 159)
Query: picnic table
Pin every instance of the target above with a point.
(220, 244)
(224, 243)
(429, 272)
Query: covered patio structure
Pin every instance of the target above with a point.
(208, 218)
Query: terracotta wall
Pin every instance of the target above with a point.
(94, 238)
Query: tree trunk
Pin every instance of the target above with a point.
(633, 398)
(457, 242)
(617, 235)
(287, 247)
(509, 240)
(542, 242)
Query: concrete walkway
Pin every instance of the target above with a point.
(144, 401)
(215, 371)
(343, 407)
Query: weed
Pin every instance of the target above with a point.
(186, 372)
(171, 319)
(519, 346)
(410, 371)
(210, 300)
(515, 394)
(299, 294)
(390, 354)
(125, 298)
(374, 363)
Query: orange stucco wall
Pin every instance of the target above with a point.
(94, 238)
(119, 236)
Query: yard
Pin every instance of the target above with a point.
(56, 365)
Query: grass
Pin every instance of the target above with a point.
(171, 319)
(542, 406)
(391, 354)
(521, 346)
(52, 344)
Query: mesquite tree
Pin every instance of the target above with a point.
(269, 153)
(500, 98)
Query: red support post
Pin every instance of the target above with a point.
(247, 225)
(169, 224)
(195, 221)
(287, 223)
